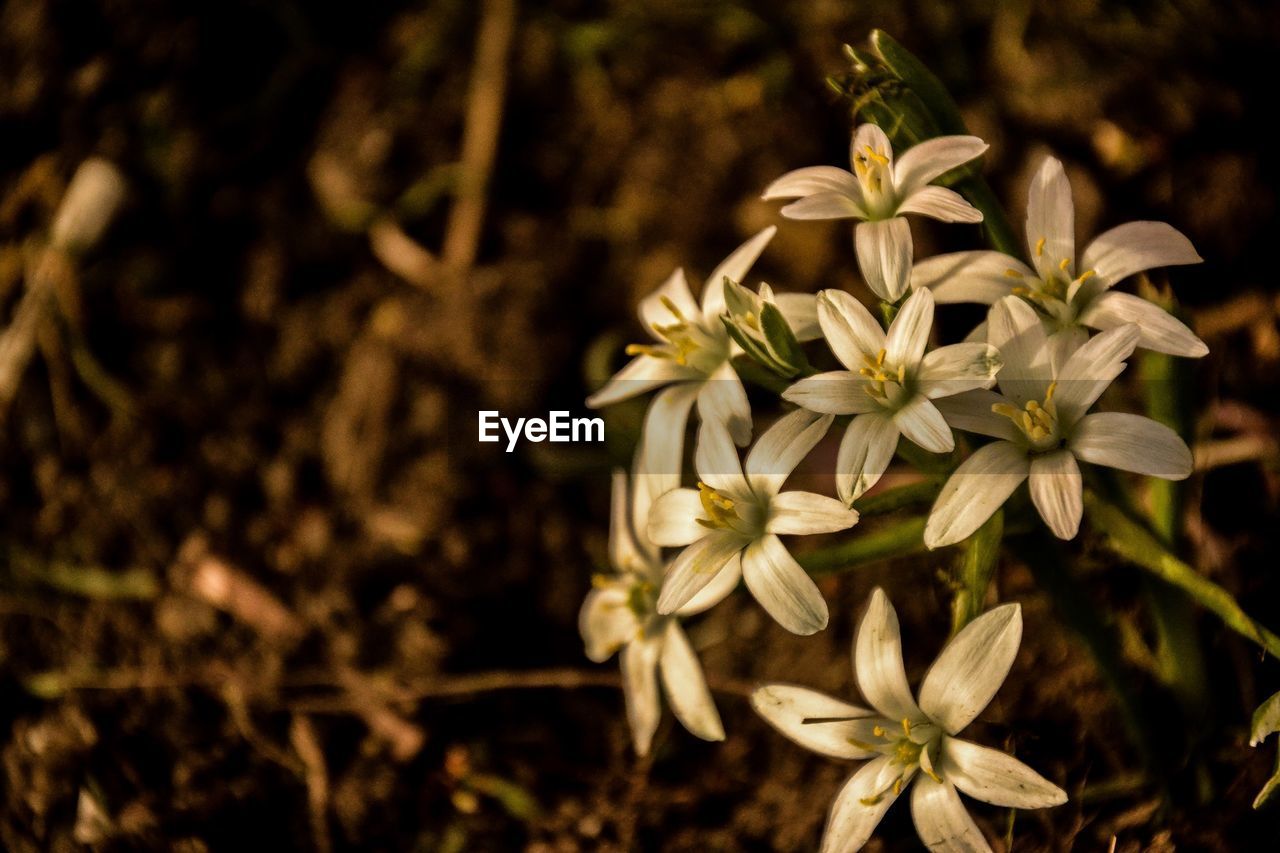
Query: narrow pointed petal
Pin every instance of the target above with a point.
(1063, 344)
(839, 392)
(884, 256)
(909, 333)
(997, 778)
(643, 373)
(871, 136)
(723, 400)
(686, 686)
(781, 448)
(806, 513)
(716, 461)
(654, 310)
(877, 661)
(1131, 443)
(941, 204)
(812, 180)
(1050, 217)
(957, 368)
(735, 268)
(933, 158)
(977, 489)
(942, 821)
(850, 330)
(920, 421)
(971, 412)
(623, 549)
(1057, 490)
(1136, 246)
(782, 587)
(800, 310)
(865, 452)
(828, 205)
(985, 277)
(606, 623)
(852, 821)
(1160, 330)
(965, 677)
(1091, 369)
(817, 721)
(1014, 328)
(716, 591)
(639, 663)
(659, 457)
(695, 567)
(673, 519)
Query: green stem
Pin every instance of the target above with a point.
(979, 556)
(898, 539)
(749, 370)
(910, 495)
(1132, 541)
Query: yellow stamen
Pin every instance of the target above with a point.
(880, 357)
(871, 801)
(671, 306)
(877, 156)
(649, 350)
(897, 786)
(1066, 262)
(1086, 275)
(1012, 273)
(878, 731)
(906, 727)
(1040, 246)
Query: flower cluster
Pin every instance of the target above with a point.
(1055, 336)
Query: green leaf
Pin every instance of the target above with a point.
(754, 348)
(1268, 789)
(781, 340)
(927, 87)
(1266, 720)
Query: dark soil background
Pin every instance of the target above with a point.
(260, 586)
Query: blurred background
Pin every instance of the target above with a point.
(258, 582)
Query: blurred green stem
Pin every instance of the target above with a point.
(896, 539)
(979, 556)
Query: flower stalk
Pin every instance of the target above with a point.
(979, 557)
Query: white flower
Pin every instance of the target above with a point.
(1040, 420)
(889, 384)
(915, 743)
(732, 520)
(1071, 295)
(879, 191)
(620, 614)
(692, 355)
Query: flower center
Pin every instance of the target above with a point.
(1037, 420)
(904, 752)
(872, 170)
(1051, 291)
(685, 342)
(885, 382)
(724, 512)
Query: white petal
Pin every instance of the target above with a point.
(735, 268)
(1063, 344)
(1136, 246)
(865, 452)
(605, 622)
(654, 311)
(877, 661)
(940, 203)
(725, 582)
(800, 310)
(816, 721)
(1091, 369)
(1160, 330)
(829, 205)
(782, 587)
(673, 519)
(839, 392)
(723, 400)
(970, 276)
(643, 373)
(695, 567)
(971, 411)
(921, 422)
(997, 778)
(806, 513)
(976, 490)
(640, 691)
(686, 686)
(781, 448)
(1051, 217)
(851, 822)
(954, 369)
(924, 161)
(871, 136)
(1056, 490)
(971, 668)
(1014, 328)
(716, 461)
(884, 256)
(909, 333)
(659, 458)
(812, 180)
(1131, 443)
(623, 549)
(851, 331)
(941, 820)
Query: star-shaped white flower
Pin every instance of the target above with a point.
(620, 615)
(1040, 420)
(914, 744)
(879, 192)
(889, 384)
(1071, 296)
(731, 522)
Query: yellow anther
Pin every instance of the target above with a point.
(1021, 291)
(751, 320)
(1048, 395)
(897, 786)
(1040, 246)
(902, 374)
(871, 801)
(1005, 409)
(671, 306)
(1012, 273)
(877, 156)
(1032, 406)
(718, 508)
(878, 731)
(906, 727)
(1086, 275)
(863, 745)
(880, 356)
(1025, 420)
(934, 776)
(600, 581)
(649, 350)
(1066, 262)
(867, 372)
